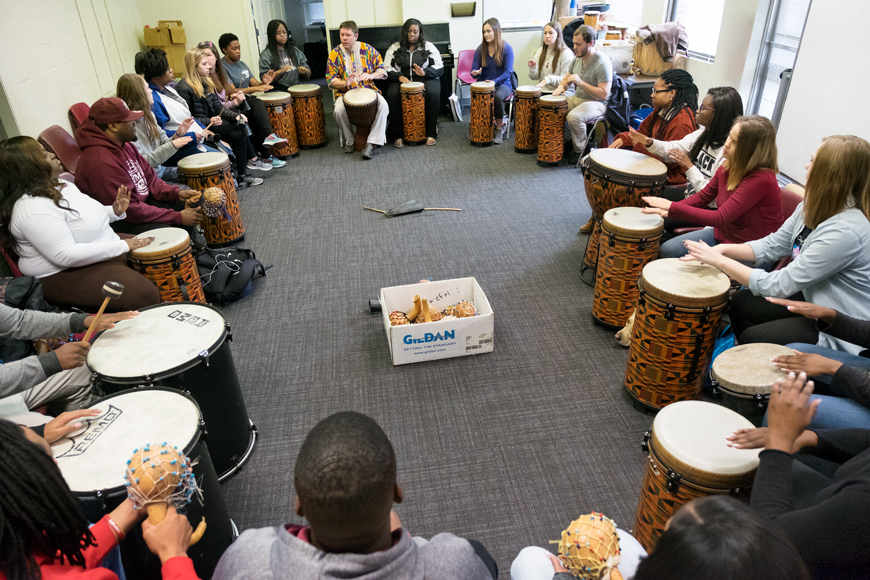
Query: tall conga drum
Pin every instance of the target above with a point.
(552, 111)
(689, 459)
(362, 108)
(202, 171)
(481, 129)
(280, 108)
(526, 119)
(629, 240)
(308, 115)
(413, 112)
(743, 377)
(616, 178)
(679, 310)
(168, 262)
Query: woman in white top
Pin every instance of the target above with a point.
(551, 61)
(62, 236)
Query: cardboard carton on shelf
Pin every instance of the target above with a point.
(169, 36)
(410, 343)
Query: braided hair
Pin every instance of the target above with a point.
(38, 512)
(685, 97)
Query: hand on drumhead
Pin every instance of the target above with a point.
(637, 137)
(558, 90)
(169, 539)
(748, 438)
(66, 423)
(679, 157)
(122, 201)
(654, 210)
(617, 143)
(419, 71)
(702, 252)
(191, 216)
(658, 202)
(403, 79)
(186, 194)
(814, 365)
(72, 355)
(811, 311)
(107, 320)
(790, 411)
(136, 243)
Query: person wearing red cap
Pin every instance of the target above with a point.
(109, 161)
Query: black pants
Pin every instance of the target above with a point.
(756, 320)
(237, 138)
(432, 99)
(675, 193)
(261, 125)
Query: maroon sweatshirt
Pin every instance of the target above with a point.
(105, 166)
(750, 212)
(653, 126)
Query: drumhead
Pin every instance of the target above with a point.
(161, 341)
(692, 435)
(94, 458)
(528, 91)
(632, 222)
(482, 87)
(167, 241)
(275, 97)
(747, 369)
(360, 96)
(687, 284)
(413, 86)
(626, 162)
(303, 90)
(204, 161)
(552, 101)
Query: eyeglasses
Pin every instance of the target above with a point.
(703, 108)
(657, 91)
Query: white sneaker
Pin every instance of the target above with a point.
(498, 136)
(258, 165)
(273, 139)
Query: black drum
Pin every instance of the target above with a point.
(183, 346)
(94, 459)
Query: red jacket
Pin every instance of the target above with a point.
(105, 166)
(679, 127)
(178, 568)
(750, 212)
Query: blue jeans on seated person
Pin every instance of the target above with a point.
(674, 247)
(847, 358)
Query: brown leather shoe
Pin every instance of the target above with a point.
(587, 227)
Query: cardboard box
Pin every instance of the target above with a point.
(410, 343)
(170, 37)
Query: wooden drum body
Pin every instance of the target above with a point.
(280, 109)
(629, 240)
(689, 459)
(743, 377)
(168, 262)
(551, 129)
(362, 108)
(414, 112)
(204, 170)
(308, 115)
(526, 119)
(481, 128)
(617, 178)
(679, 310)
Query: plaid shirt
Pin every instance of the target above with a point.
(370, 61)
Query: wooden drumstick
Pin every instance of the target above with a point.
(442, 208)
(111, 290)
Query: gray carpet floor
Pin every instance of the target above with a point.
(506, 447)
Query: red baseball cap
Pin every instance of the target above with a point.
(112, 110)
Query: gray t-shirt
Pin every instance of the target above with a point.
(238, 73)
(599, 70)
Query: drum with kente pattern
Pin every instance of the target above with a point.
(526, 119)
(481, 129)
(413, 112)
(202, 171)
(168, 262)
(280, 107)
(308, 115)
(552, 111)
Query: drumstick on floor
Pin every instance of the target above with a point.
(410, 206)
(111, 290)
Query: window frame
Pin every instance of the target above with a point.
(671, 13)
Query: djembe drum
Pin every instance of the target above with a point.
(280, 107)
(551, 129)
(362, 108)
(743, 377)
(526, 119)
(688, 459)
(310, 121)
(413, 112)
(679, 311)
(202, 171)
(168, 262)
(481, 129)
(629, 240)
(616, 178)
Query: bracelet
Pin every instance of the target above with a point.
(119, 535)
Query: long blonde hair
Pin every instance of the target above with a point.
(130, 89)
(496, 39)
(756, 149)
(838, 180)
(200, 84)
(558, 47)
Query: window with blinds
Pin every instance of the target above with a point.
(702, 20)
(627, 12)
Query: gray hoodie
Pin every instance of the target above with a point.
(273, 553)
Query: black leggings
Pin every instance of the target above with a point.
(756, 320)
(261, 125)
(237, 138)
(432, 97)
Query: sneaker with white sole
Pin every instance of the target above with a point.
(498, 138)
(273, 139)
(278, 163)
(257, 165)
(249, 181)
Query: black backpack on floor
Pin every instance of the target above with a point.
(228, 274)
